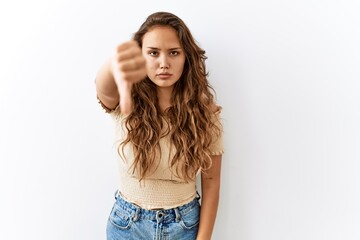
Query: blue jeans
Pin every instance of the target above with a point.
(128, 221)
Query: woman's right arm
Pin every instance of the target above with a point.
(106, 88)
(117, 75)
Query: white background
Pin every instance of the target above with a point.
(286, 73)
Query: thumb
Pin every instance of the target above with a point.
(125, 100)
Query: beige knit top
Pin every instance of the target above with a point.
(161, 188)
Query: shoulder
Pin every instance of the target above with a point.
(117, 115)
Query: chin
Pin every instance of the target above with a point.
(165, 84)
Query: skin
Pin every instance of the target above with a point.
(161, 53)
(165, 58)
(210, 189)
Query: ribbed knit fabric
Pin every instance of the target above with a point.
(162, 188)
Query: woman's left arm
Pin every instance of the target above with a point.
(210, 189)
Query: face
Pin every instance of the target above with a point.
(164, 56)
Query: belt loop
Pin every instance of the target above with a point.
(136, 216)
(177, 214)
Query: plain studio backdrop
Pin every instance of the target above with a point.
(286, 73)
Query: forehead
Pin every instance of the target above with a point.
(161, 37)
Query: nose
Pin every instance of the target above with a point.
(164, 62)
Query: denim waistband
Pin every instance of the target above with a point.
(155, 214)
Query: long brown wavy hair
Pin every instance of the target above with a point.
(189, 118)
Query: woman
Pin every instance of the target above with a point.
(168, 130)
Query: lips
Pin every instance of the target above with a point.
(164, 75)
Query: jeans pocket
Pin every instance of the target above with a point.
(121, 218)
(191, 218)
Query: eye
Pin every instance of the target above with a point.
(153, 53)
(174, 53)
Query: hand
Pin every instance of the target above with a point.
(128, 67)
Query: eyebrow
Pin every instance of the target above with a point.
(171, 49)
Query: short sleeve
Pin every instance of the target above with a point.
(107, 110)
(114, 113)
(217, 146)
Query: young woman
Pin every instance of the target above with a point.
(168, 131)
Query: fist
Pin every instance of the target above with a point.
(128, 67)
(128, 64)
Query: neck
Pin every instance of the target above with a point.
(164, 96)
